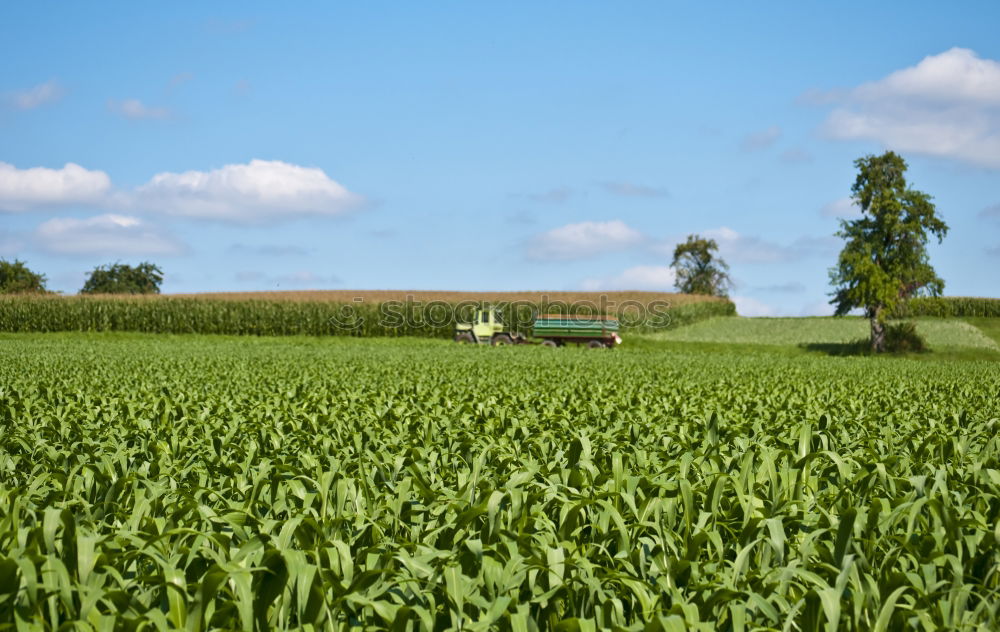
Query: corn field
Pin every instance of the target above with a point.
(949, 307)
(179, 315)
(163, 482)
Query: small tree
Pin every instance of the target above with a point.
(698, 270)
(120, 278)
(885, 258)
(17, 278)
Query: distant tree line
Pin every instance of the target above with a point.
(115, 278)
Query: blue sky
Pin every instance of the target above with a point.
(488, 146)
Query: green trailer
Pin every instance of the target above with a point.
(550, 330)
(556, 330)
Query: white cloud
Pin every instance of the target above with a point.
(844, 208)
(751, 307)
(653, 278)
(244, 193)
(107, 234)
(582, 240)
(990, 212)
(261, 191)
(36, 96)
(630, 189)
(762, 139)
(954, 75)
(24, 189)
(948, 105)
(134, 109)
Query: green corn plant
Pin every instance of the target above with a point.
(260, 483)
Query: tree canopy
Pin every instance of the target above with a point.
(17, 278)
(120, 278)
(885, 260)
(698, 270)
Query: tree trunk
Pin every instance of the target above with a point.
(878, 331)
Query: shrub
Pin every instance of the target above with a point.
(17, 278)
(903, 338)
(120, 278)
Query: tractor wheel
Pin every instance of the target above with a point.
(501, 340)
(550, 343)
(464, 338)
(596, 344)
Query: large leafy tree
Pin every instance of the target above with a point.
(120, 278)
(18, 278)
(699, 270)
(884, 260)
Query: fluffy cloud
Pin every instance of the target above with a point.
(261, 191)
(36, 96)
(257, 192)
(991, 212)
(948, 105)
(582, 240)
(762, 139)
(135, 109)
(107, 234)
(637, 278)
(24, 189)
(630, 189)
(954, 75)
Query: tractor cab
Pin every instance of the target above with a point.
(485, 328)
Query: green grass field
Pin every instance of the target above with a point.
(210, 482)
(939, 333)
(989, 326)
